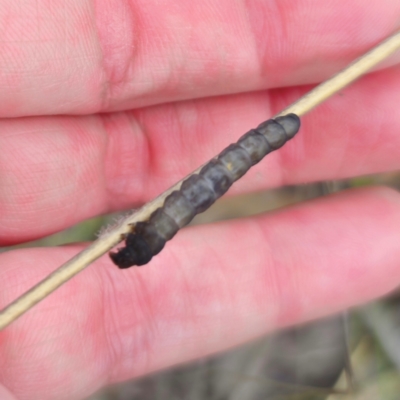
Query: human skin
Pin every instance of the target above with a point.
(93, 86)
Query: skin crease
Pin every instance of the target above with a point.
(65, 66)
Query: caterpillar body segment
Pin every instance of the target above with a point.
(199, 191)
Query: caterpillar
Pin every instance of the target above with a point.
(200, 190)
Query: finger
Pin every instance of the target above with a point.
(85, 57)
(5, 394)
(201, 295)
(58, 171)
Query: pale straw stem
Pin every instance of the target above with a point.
(109, 240)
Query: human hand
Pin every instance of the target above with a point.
(215, 286)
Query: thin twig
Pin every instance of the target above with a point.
(108, 241)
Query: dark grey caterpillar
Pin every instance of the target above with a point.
(199, 191)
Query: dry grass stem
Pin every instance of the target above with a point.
(109, 240)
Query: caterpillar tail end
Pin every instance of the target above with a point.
(291, 124)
